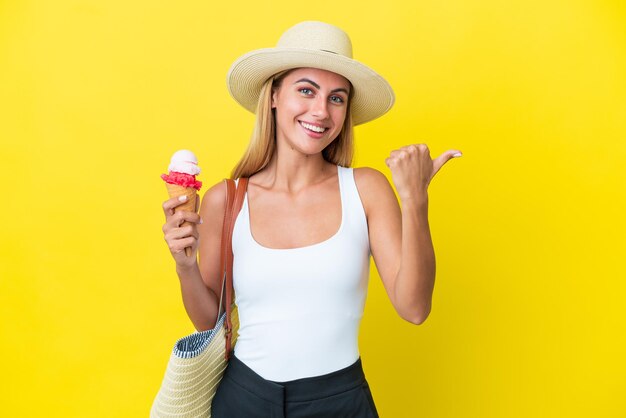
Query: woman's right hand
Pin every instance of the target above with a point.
(180, 231)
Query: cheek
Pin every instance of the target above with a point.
(339, 117)
(289, 110)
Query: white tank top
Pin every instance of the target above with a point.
(300, 309)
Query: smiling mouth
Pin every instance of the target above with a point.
(313, 128)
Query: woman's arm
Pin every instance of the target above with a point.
(400, 240)
(199, 277)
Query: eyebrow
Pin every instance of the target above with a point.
(317, 86)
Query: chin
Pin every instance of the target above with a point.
(310, 152)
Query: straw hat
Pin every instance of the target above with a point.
(316, 45)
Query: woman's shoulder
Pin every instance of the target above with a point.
(376, 193)
(370, 179)
(373, 187)
(215, 197)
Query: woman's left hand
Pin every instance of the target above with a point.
(412, 169)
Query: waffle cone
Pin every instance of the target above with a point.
(174, 190)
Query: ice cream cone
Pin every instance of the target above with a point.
(175, 190)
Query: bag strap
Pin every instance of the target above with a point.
(234, 201)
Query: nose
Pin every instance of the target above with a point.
(320, 107)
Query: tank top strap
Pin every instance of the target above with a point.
(351, 201)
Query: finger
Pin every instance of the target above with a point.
(409, 151)
(180, 245)
(414, 147)
(391, 162)
(444, 158)
(177, 233)
(187, 230)
(170, 205)
(187, 216)
(406, 154)
(395, 153)
(175, 221)
(181, 216)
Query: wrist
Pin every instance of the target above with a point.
(418, 199)
(416, 207)
(184, 271)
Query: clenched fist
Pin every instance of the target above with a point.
(412, 169)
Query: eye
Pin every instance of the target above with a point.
(306, 91)
(336, 99)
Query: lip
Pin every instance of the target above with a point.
(312, 134)
(319, 125)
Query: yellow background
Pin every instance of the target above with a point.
(528, 226)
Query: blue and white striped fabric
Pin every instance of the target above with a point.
(193, 345)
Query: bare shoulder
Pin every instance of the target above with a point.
(214, 199)
(373, 187)
(371, 182)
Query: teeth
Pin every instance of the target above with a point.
(313, 127)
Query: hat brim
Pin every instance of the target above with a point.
(372, 96)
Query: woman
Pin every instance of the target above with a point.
(303, 238)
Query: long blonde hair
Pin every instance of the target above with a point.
(263, 141)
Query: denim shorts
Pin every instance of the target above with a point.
(244, 394)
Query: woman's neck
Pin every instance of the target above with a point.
(294, 172)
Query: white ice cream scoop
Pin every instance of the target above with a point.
(184, 161)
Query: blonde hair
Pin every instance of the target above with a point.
(263, 141)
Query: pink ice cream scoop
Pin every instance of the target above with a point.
(183, 170)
